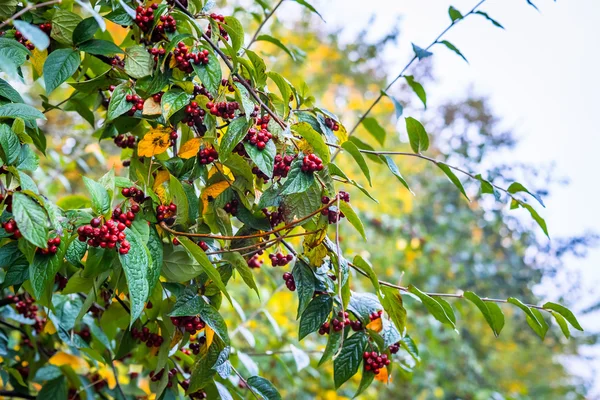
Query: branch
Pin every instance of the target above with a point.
(26, 9)
(245, 383)
(401, 74)
(13, 394)
(270, 241)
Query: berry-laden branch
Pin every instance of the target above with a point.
(27, 9)
(262, 245)
(401, 74)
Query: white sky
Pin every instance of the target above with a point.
(541, 75)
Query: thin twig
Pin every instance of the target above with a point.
(339, 266)
(262, 24)
(245, 383)
(26, 9)
(277, 239)
(14, 394)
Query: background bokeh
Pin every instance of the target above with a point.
(522, 109)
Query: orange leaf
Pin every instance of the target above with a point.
(375, 325)
(156, 141)
(151, 107)
(77, 363)
(190, 148)
(382, 376)
(213, 191)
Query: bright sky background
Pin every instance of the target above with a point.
(541, 75)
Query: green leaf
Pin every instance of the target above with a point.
(276, 42)
(375, 129)
(314, 139)
(391, 300)
(63, 25)
(454, 49)
(417, 136)
(179, 266)
(434, 308)
(417, 88)
(539, 326)
(265, 158)
(297, 180)
(447, 308)
(243, 97)
(532, 321)
(210, 74)
(241, 266)
(100, 196)
(32, 33)
(138, 62)
(55, 389)
(197, 306)
(365, 382)
(198, 254)
(353, 218)
(135, 264)
(409, 345)
(516, 187)
(560, 320)
(42, 272)
(565, 312)
(536, 217)
(454, 14)
(263, 387)
(173, 101)
(347, 362)
(310, 7)
(10, 147)
(259, 68)
(9, 93)
(333, 344)
(397, 106)
(394, 169)
(305, 284)
(12, 55)
(101, 47)
(284, 89)
(59, 67)
(85, 30)
(236, 32)
(494, 317)
(493, 21)
(236, 132)
(453, 178)
(314, 315)
(155, 247)
(31, 218)
(351, 148)
(23, 111)
(421, 53)
(368, 269)
(118, 104)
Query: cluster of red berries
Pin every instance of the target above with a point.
(260, 175)
(289, 281)
(311, 163)
(225, 82)
(125, 141)
(173, 136)
(280, 259)
(185, 384)
(25, 306)
(254, 262)
(46, 27)
(134, 193)
(395, 348)
(375, 315)
(258, 138)
(144, 17)
(275, 217)
(138, 103)
(220, 20)
(263, 122)
(107, 235)
(52, 246)
(331, 124)
(201, 90)
(374, 361)
(162, 211)
(167, 24)
(195, 347)
(282, 165)
(356, 325)
(207, 155)
(156, 377)
(116, 61)
(189, 324)
(240, 150)
(85, 333)
(184, 58)
(21, 39)
(144, 335)
(337, 323)
(231, 207)
(332, 213)
(194, 114)
(10, 226)
(125, 217)
(156, 52)
(223, 109)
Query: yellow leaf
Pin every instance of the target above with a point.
(107, 374)
(156, 141)
(209, 333)
(151, 107)
(77, 363)
(375, 325)
(161, 177)
(382, 376)
(38, 58)
(190, 148)
(49, 328)
(213, 191)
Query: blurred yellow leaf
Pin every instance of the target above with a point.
(209, 333)
(49, 328)
(77, 363)
(375, 325)
(107, 374)
(382, 376)
(156, 141)
(38, 58)
(151, 107)
(213, 191)
(190, 148)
